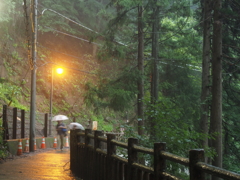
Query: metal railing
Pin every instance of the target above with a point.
(90, 159)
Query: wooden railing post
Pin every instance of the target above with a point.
(80, 159)
(14, 127)
(159, 161)
(87, 139)
(5, 123)
(195, 156)
(97, 144)
(73, 150)
(22, 123)
(111, 149)
(45, 124)
(132, 157)
(87, 157)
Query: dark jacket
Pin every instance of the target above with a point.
(60, 130)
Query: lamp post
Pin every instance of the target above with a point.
(59, 71)
(51, 95)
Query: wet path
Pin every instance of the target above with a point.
(49, 165)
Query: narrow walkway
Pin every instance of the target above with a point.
(49, 165)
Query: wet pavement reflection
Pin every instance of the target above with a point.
(49, 165)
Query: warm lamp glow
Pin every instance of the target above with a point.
(59, 70)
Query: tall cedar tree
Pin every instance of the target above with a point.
(207, 13)
(216, 107)
(141, 70)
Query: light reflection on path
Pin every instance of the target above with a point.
(50, 165)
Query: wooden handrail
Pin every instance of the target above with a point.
(96, 158)
(175, 158)
(219, 172)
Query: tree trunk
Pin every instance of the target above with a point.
(206, 71)
(155, 49)
(141, 70)
(216, 110)
(155, 73)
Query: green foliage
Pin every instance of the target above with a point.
(64, 106)
(115, 94)
(230, 163)
(3, 147)
(7, 8)
(171, 129)
(231, 127)
(231, 95)
(181, 33)
(10, 93)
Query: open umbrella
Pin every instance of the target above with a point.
(59, 118)
(76, 126)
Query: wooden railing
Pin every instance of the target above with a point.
(16, 124)
(91, 160)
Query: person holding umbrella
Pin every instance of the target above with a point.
(60, 127)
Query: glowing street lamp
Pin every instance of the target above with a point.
(59, 71)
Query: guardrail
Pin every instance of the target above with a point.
(90, 159)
